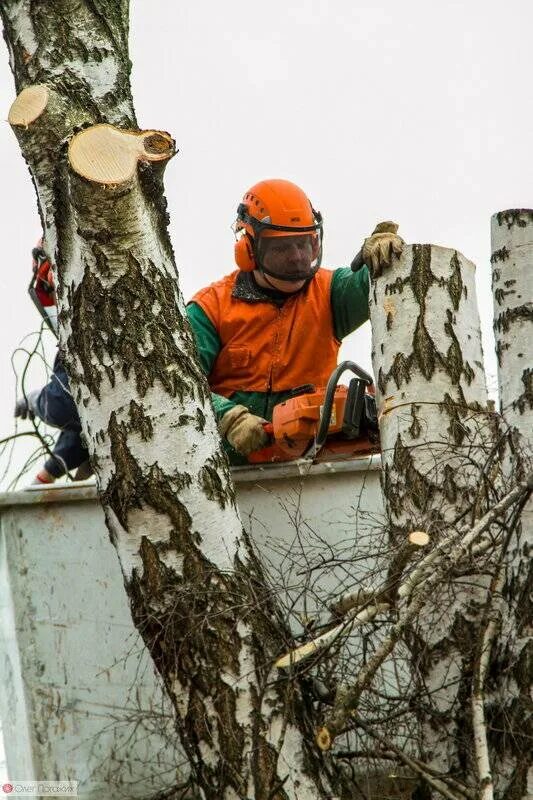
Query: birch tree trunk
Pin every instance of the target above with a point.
(512, 275)
(198, 595)
(442, 470)
(428, 362)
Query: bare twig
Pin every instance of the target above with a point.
(481, 747)
(325, 639)
(416, 765)
(447, 542)
(347, 699)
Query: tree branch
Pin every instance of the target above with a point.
(415, 765)
(347, 698)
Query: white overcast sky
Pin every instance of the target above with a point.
(414, 111)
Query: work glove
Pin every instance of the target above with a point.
(84, 471)
(25, 407)
(243, 430)
(379, 249)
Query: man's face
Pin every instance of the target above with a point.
(287, 257)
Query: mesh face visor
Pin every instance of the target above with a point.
(291, 253)
(288, 258)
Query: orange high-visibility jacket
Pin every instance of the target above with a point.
(266, 348)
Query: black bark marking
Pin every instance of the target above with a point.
(230, 737)
(425, 355)
(454, 355)
(515, 216)
(526, 398)
(455, 282)
(140, 422)
(499, 255)
(503, 322)
(420, 488)
(415, 428)
(424, 351)
(469, 373)
(123, 331)
(155, 572)
(123, 491)
(500, 348)
(455, 411)
(397, 286)
(215, 480)
(501, 294)
(129, 488)
(448, 484)
(200, 420)
(400, 371)
(421, 276)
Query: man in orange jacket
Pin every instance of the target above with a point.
(277, 322)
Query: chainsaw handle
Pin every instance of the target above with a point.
(328, 402)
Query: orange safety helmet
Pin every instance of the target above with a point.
(275, 208)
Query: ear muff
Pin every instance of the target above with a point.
(244, 254)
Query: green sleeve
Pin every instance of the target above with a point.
(349, 300)
(208, 347)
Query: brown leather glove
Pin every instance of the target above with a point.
(379, 249)
(243, 430)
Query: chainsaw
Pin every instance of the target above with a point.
(325, 423)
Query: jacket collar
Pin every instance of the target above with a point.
(246, 288)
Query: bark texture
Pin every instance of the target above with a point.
(512, 276)
(444, 466)
(428, 361)
(198, 595)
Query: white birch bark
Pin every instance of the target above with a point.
(197, 594)
(428, 361)
(512, 281)
(437, 439)
(431, 390)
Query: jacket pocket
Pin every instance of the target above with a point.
(239, 357)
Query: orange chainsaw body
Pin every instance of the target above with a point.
(295, 425)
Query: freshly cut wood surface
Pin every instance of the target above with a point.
(419, 538)
(105, 154)
(29, 105)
